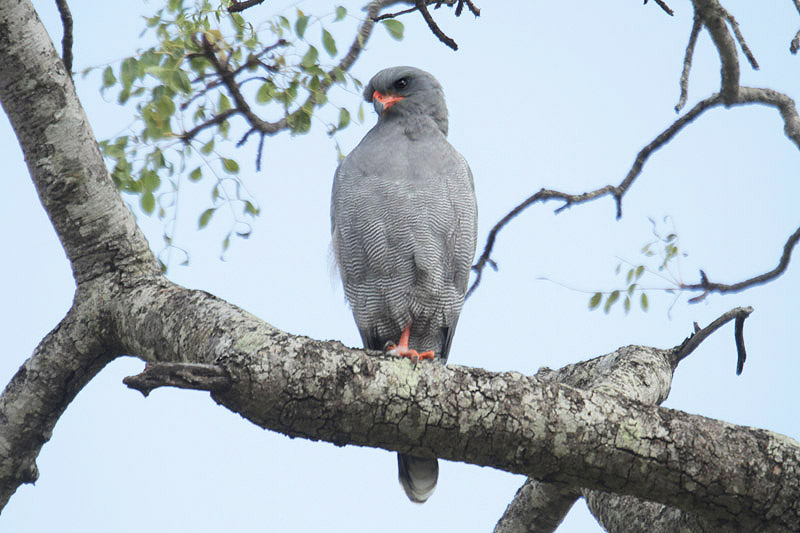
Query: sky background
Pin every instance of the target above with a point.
(541, 94)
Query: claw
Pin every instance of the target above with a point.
(401, 349)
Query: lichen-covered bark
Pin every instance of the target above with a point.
(580, 436)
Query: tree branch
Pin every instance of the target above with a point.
(66, 40)
(708, 286)
(609, 190)
(194, 376)
(663, 6)
(697, 25)
(691, 343)
(422, 6)
(237, 6)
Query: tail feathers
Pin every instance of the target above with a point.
(418, 476)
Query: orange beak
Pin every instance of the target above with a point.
(386, 100)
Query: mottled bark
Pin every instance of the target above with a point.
(571, 427)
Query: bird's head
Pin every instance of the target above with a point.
(407, 91)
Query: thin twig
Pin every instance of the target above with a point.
(572, 199)
(738, 335)
(422, 6)
(244, 4)
(394, 15)
(795, 44)
(708, 286)
(472, 8)
(681, 351)
(739, 37)
(697, 25)
(66, 41)
(663, 6)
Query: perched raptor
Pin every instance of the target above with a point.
(403, 224)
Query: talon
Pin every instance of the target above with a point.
(401, 348)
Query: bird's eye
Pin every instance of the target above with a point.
(401, 84)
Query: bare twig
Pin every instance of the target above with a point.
(395, 14)
(422, 6)
(689, 345)
(708, 286)
(795, 44)
(66, 41)
(663, 6)
(244, 4)
(739, 37)
(738, 334)
(194, 376)
(472, 8)
(697, 25)
(617, 191)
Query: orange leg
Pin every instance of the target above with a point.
(402, 349)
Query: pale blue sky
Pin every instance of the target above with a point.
(545, 94)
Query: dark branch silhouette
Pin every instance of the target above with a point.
(66, 41)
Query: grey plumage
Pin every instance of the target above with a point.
(403, 224)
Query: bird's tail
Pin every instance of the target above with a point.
(418, 476)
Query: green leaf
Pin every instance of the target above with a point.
(612, 298)
(230, 166)
(250, 209)
(344, 118)
(631, 288)
(643, 302)
(265, 93)
(341, 11)
(310, 59)
(165, 106)
(329, 43)
(150, 180)
(395, 28)
(196, 174)
(128, 72)
(181, 81)
(301, 25)
(224, 103)
(639, 271)
(208, 147)
(629, 276)
(205, 217)
(284, 22)
(361, 112)
(594, 301)
(148, 202)
(108, 78)
(627, 304)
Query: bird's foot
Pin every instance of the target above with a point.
(393, 349)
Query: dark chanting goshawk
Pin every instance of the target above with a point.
(404, 223)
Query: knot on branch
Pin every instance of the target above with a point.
(194, 376)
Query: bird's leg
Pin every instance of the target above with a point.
(402, 349)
